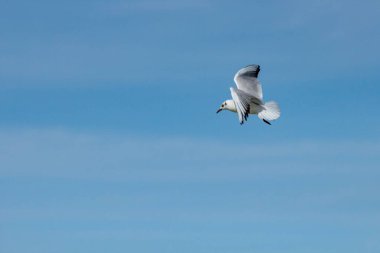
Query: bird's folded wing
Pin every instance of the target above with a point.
(242, 103)
(246, 80)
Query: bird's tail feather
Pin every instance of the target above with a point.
(271, 111)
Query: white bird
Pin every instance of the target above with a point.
(248, 97)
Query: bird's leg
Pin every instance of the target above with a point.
(267, 122)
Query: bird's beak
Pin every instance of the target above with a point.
(219, 110)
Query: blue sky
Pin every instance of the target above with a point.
(110, 141)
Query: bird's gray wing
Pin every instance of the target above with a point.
(246, 80)
(242, 103)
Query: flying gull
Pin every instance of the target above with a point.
(247, 98)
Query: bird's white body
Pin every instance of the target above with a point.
(230, 105)
(247, 98)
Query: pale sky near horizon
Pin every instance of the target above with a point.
(110, 141)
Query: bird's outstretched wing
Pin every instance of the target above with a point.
(246, 80)
(242, 103)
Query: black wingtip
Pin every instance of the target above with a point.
(267, 122)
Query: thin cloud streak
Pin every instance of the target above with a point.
(59, 153)
(304, 43)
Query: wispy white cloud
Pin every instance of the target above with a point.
(57, 153)
(94, 186)
(294, 40)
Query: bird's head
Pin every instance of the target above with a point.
(227, 105)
